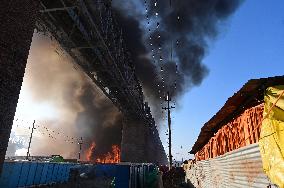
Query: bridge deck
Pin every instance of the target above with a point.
(88, 32)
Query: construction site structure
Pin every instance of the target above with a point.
(238, 145)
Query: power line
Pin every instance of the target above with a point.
(168, 108)
(53, 134)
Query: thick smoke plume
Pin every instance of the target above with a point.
(181, 29)
(102, 120)
(82, 110)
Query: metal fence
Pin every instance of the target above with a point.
(128, 175)
(138, 175)
(125, 175)
(22, 174)
(25, 174)
(117, 172)
(237, 169)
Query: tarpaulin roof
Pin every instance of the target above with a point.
(249, 95)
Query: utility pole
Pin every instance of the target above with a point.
(28, 153)
(168, 108)
(80, 142)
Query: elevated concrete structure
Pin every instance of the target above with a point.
(17, 20)
(133, 145)
(87, 31)
(141, 144)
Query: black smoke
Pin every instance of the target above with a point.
(181, 29)
(184, 29)
(100, 121)
(96, 118)
(82, 108)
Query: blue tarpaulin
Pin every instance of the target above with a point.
(21, 174)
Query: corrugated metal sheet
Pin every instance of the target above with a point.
(139, 173)
(236, 169)
(243, 130)
(250, 94)
(126, 175)
(22, 174)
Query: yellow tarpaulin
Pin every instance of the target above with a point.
(271, 141)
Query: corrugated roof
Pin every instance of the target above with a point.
(249, 95)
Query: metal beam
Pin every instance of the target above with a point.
(57, 9)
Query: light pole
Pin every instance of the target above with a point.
(80, 142)
(28, 153)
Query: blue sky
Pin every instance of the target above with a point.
(250, 45)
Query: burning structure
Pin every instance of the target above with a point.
(242, 138)
(112, 156)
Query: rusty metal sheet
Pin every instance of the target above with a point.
(237, 169)
(232, 135)
(251, 94)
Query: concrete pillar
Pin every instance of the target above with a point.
(151, 147)
(156, 153)
(133, 144)
(17, 21)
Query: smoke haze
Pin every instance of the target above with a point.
(181, 30)
(81, 108)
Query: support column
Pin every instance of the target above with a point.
(155, 152)
(151, 147)
(17, 20)
(133, 144)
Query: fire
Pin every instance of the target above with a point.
(90, 151)
(110, 157)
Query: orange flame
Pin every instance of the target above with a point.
(110, 157)
(90, 151)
